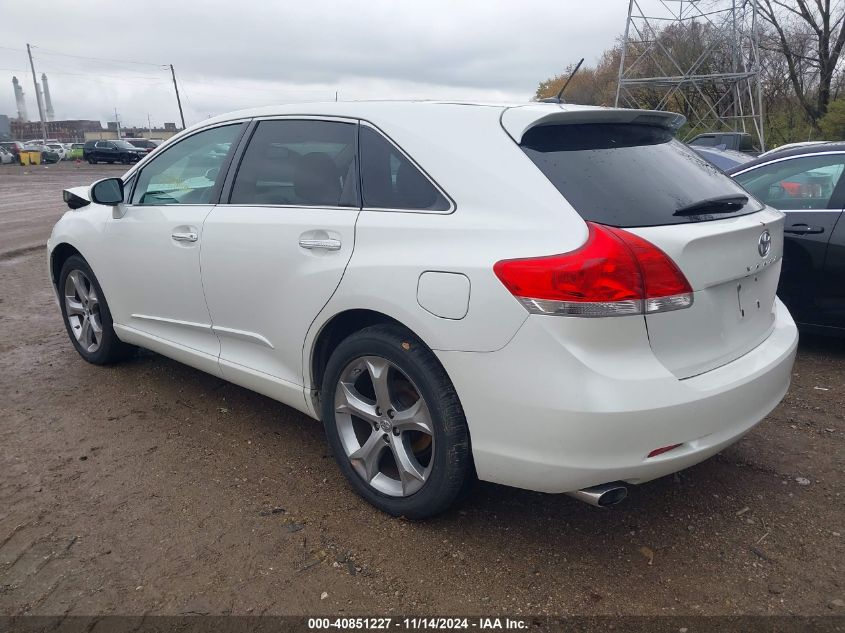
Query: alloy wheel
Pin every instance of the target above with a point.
(385, 426)
(82, 307)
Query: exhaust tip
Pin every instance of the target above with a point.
(602, 496)
(612, 496)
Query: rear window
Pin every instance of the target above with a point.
(628, 175)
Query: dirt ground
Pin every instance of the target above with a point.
(152, 488)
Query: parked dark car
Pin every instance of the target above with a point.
(14, 147)
(143, 143)
(807, 184)
(111, 152)
(737, 141)
(724, 159)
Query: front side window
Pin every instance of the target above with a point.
(390, 181)
(299, 163)
(187, 172)
(798, 183)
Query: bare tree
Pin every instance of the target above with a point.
(810, 34)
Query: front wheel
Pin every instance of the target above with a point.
(395, 424)
(86, 315)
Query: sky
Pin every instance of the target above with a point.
(102, 55)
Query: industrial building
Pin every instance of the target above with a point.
(72, 131)
(67, 131)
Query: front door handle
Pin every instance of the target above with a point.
(803, 229)
(328, 244)
(184, 237)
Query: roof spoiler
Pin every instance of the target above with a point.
(518, 120)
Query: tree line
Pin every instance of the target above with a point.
(800, 46)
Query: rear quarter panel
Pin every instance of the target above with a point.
(504, 208)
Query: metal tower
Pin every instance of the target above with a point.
(699, 57)
(48, 102)
(19, 100)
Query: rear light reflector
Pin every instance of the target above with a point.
(615, 273)
(660, 451)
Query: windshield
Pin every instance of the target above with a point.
(628, 175)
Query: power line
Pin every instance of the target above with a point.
(45, 51)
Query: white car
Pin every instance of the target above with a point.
(60, 149)
(6, 157)
(554, 297)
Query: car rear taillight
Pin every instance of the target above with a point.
(615, 273)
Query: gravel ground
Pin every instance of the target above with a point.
(152, 488)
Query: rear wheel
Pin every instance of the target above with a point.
(92, 160)
(86, 315)
(395, 424)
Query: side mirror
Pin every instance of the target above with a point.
(108, 192)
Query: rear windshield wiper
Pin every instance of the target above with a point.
(720, 204)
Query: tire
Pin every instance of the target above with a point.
(417, 394)
(92, 160)
(75, 285)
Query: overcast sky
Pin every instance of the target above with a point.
(230, 55)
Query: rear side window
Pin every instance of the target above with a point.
(628, 175)
(391, 181)
(807, 182)
(299, 163)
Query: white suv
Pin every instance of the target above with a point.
(547, 296)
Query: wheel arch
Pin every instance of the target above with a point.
(336, 329)
(58, 256)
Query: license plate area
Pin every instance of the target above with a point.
(752, 296)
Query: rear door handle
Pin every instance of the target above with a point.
(328, 244)
(184, 237)
(803, 229)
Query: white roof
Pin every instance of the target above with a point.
(516, 117)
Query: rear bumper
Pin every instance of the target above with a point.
(571, 403)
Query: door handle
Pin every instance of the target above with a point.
(328, 244)
(803, 229)
(184, 237)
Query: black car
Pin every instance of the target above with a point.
(737, 141)
(143, 143)
(111, 152)
(807, 184)
(724, 159)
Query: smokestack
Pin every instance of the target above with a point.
(19, 100)
(48, 102)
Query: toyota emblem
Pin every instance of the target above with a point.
(764, 244)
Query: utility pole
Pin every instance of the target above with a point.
(149, 125)
(37, 95)
(178, 100)
(117, 123)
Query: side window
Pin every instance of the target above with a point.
(299, 163)
(187, 172)
(391, 181)
(798, 183)
(704, 141)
